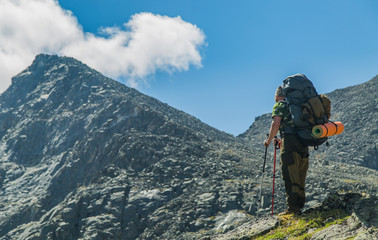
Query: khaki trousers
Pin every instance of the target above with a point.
(294, 165)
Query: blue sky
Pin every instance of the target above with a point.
(250, 47)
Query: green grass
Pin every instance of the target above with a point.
(305, 226)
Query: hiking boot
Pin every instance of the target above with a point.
(291, 210)
(295, 210)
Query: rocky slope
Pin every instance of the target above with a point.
(356, 107)
(85, 157)
(80, 152)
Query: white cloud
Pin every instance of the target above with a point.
(137, 49)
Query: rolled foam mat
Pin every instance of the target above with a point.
(327, 129)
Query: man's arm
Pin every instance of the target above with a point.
(273, 130)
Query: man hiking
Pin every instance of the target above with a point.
(294, 154)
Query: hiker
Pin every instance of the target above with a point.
(294, 155)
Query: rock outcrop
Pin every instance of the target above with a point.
(339, 216)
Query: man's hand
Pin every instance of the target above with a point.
(266, 142)
(277, 142)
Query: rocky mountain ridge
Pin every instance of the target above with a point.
(85, 157)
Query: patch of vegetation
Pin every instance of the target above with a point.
(304, 226)
(350, 181)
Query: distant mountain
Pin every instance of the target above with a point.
(356, 107)
(85, 157)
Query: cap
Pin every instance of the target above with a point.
(279, 92)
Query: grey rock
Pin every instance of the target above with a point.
(250, 230)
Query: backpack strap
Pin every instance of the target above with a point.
(325, 111)
(287, 129)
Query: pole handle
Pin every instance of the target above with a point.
(277, 143)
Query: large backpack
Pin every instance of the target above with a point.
(307, 108)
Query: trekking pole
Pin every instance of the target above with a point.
(261, 182)
(276, 146)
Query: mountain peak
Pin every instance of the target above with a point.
(42, 76)
(44, 65)
(43, 61)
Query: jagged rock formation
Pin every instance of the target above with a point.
(85, 157)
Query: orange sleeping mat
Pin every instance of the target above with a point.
(327, 129)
